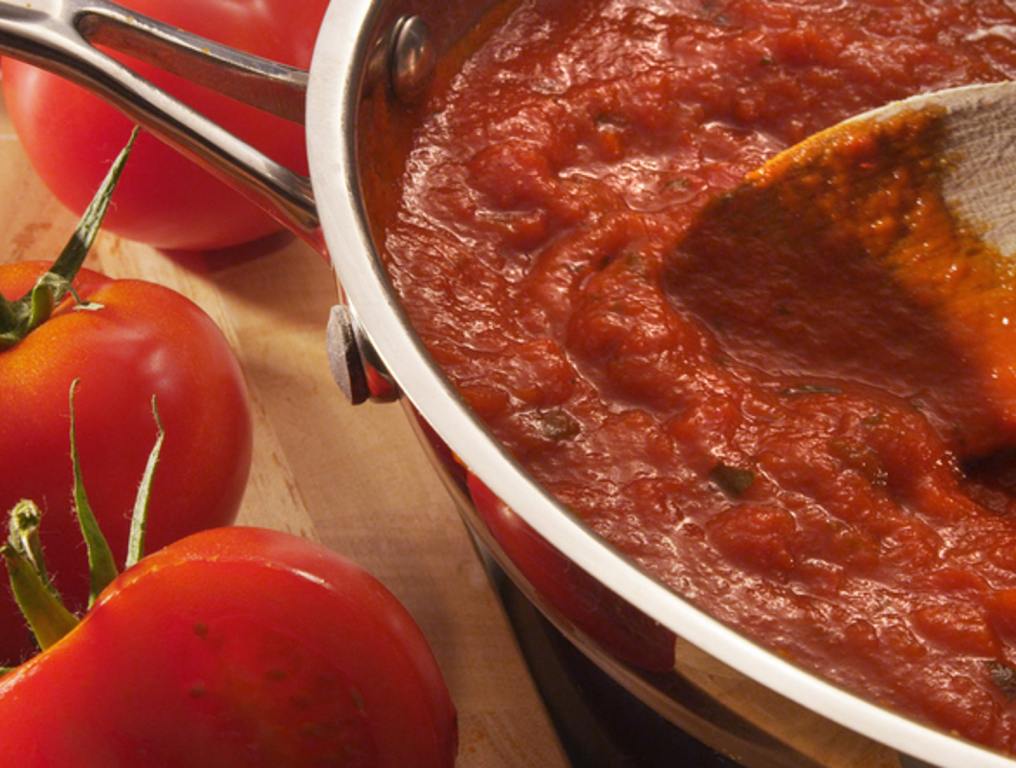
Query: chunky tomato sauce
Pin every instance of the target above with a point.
(795, 438)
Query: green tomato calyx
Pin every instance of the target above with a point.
(20, 317)
(36, 596)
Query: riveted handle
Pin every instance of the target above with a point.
(60, 36)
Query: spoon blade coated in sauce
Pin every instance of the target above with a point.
(880, 251)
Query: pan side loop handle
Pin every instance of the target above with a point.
(60, 35)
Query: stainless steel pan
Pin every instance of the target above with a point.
(385, 50)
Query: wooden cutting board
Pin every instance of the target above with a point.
(353, 478)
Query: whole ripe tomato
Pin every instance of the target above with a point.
(164, 199)
(145, 340)
(235, 647)
(621, 629)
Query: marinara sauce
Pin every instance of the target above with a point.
(797, 442)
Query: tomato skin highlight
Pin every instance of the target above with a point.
(164, 199)
(235, 647)
(145, 340)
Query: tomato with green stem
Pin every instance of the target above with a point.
(125, 340)
(166, 200)
(233, 647)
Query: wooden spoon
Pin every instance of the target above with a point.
(879, 251)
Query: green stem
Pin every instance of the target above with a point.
(35, 595)
(45, 295)
(23, 530)
(7, 314)
(47, 616)
(139, 520)
(73, 255)
(21, 317)
(101, 566)
(8, 324)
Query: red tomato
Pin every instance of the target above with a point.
(145, 340)
(235, 647)
(617, 626)
(164, 199)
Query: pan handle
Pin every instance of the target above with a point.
(60, 36)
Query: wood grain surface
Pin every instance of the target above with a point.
(353, 478)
